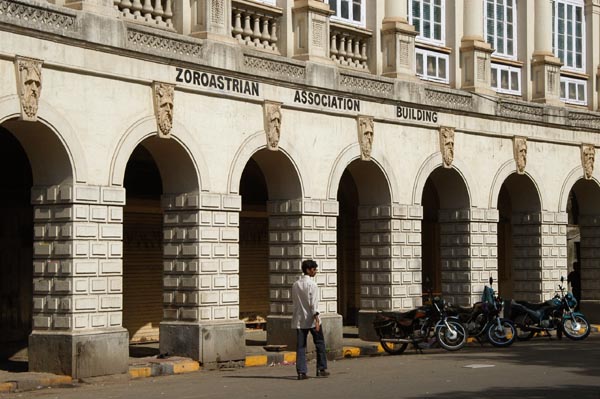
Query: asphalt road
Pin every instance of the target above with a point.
(540, 368)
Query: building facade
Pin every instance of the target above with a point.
(168, 164)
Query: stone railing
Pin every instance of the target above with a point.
(255, 24)
(157, 13)
(349, 45)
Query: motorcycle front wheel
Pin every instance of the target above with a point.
(453, 338)
(391, 347)
(576, 327)
(502, 335)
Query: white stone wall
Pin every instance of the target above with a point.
(78, 249)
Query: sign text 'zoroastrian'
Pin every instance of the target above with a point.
(219, 82)
(326, 100)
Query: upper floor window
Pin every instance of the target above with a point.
(427, 16)
(506, 79)
(568, 33)
(271, 2)
(349, 11)
(572, 91)
(500, 23)
(432, 65)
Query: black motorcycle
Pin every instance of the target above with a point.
(556, 314)
(419, 327)
(483, 321)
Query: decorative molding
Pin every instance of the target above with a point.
(584, 119)
(370, 85)
(282, 69)
(29, 86)
(366, 133)
(218, 12)
(520, 110)
(520, 152)
(447, 145)
(34, 14)
(449, 99)
(272, 119)
(588, 156)
(163, 95)
(152, 41)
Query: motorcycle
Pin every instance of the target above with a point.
(556, 314)
(483, 321)
(419, 327)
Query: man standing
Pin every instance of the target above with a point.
(305, 295)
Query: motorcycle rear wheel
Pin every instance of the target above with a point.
(502, 336)
(394, 348)
(576, 334)
(451, 339)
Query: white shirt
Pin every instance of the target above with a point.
(305, 295)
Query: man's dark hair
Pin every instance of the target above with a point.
(308, 264)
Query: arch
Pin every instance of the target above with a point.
(435, 161)
(278, 187)
(509, 167)
(73, 165)
(350, 154)
(145, 128)
(571, 180)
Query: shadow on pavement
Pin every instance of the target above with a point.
(562, 391)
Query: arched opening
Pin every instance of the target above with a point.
(363, 224)
(446, 260)
(583, 230)
(519, 235)
(16, 247)
(348, 239)
(268, 233)
(142, 247)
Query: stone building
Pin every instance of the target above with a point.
(168, 164)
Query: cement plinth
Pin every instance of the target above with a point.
(210, 343)
(79, 355)
(280, 332)
(366, 332)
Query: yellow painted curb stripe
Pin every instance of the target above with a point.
(380, 348)
(140, 372)
(6, 387)
(258, 360)
(186, 367)
(289, 357)
(351, 351)
(471, 340)
(60, 379)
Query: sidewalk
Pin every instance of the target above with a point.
(145, 362)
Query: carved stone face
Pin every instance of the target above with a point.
(521, 154)
(365, 137)
(447, 145)
(31, 75)
(164, 97)
(273, 128)
(589, 156)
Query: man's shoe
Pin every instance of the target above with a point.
(322, 373)
(302, 376)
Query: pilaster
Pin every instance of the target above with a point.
(590, 267)
(78, 280)
(476, 58)
(398, 45)
(310, 20)
(212, 19)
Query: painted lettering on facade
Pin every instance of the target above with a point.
(325, 100)
(218, 82)
(419, 115)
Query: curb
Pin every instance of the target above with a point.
(34, 383)
(164, 367)
(595, 327)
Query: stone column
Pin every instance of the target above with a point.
(469, 252)
(310, 20)
(101, 7)
(299, 230)
(398, 42)
(590, 267)
(390, 262)
(545, 66)
(201, 279)
(78, 281)
(475, 52)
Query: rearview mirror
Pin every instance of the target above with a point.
(562, 279)
(491, 280)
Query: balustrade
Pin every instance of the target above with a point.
(349, 46)
(255, 24)
(157, 13)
